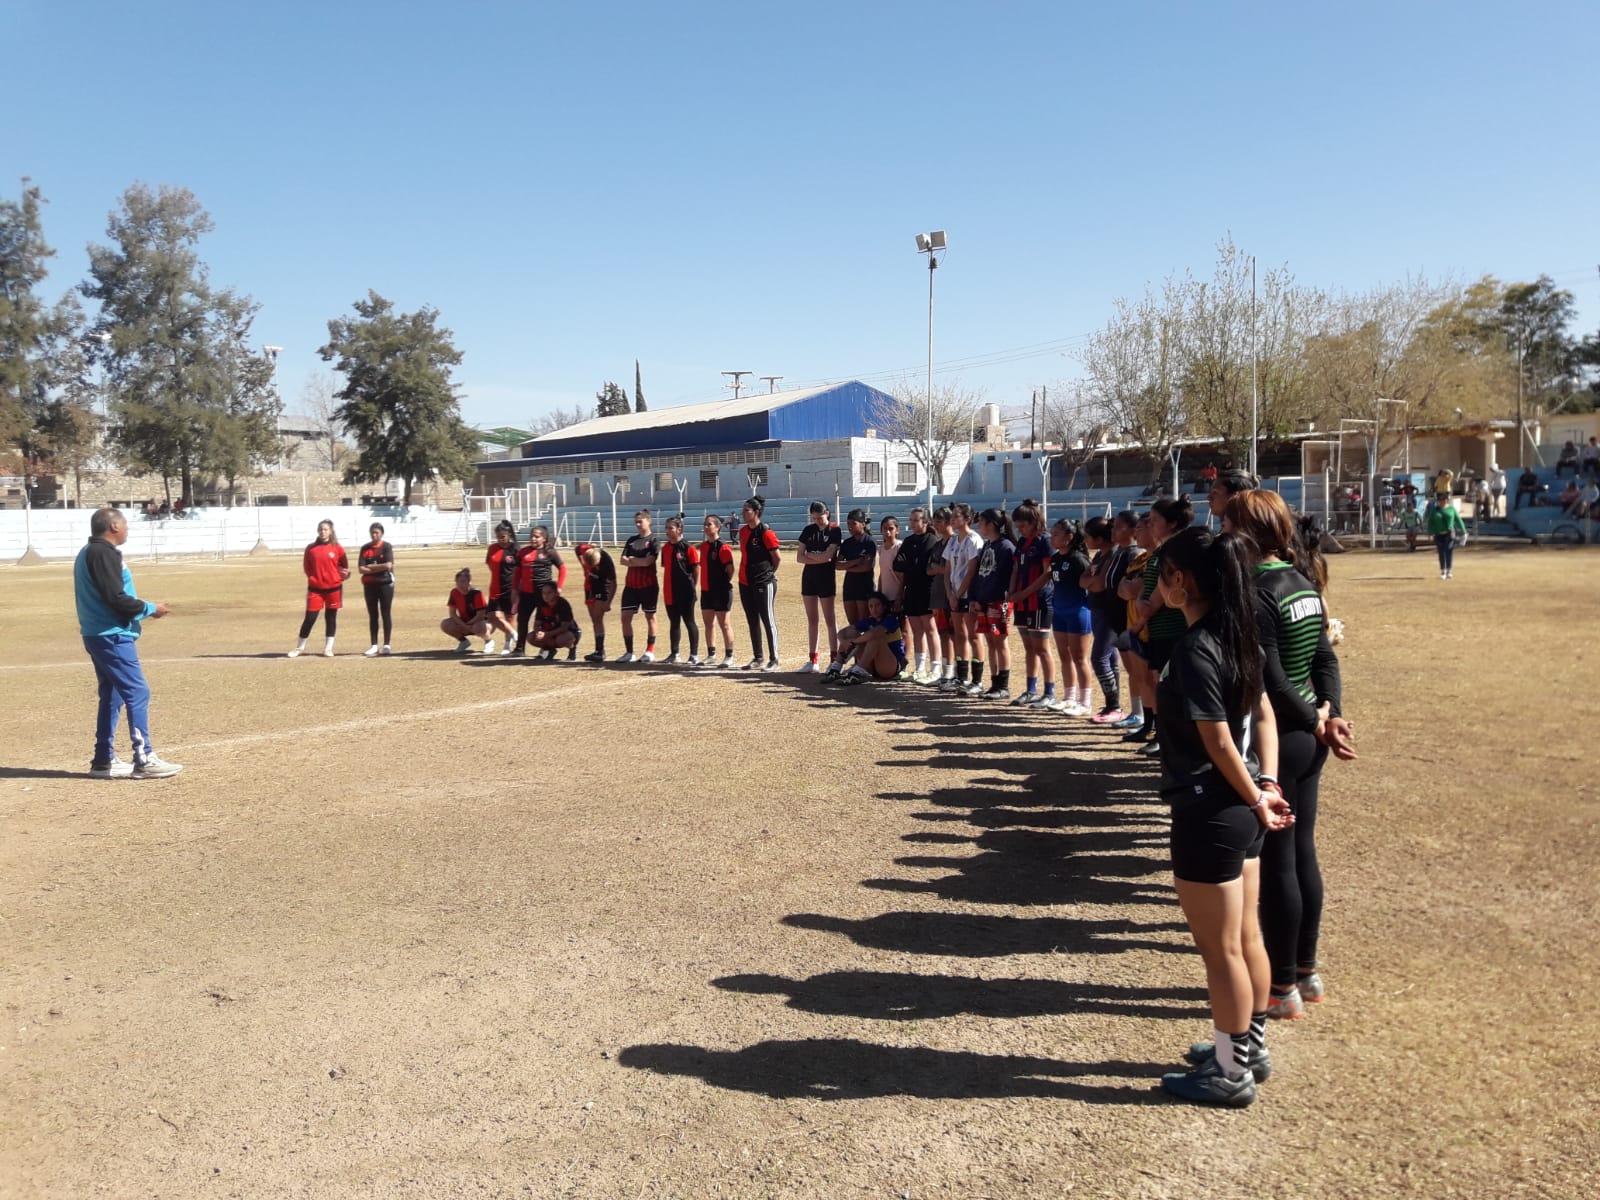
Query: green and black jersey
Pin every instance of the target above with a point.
(1297, 660)
(1166, 623)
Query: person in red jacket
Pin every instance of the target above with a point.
(716, 591)
(326, 568)
(680, 563)
(537, 564)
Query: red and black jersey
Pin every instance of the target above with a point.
(756, 543)
(325, 564)
(466, 607)
(600, 580)
(539, 565)
(1032, 560)
(642, 545)
(551, 617)
(679, 561)
(371, 555)
(502, 564)
(714, 559)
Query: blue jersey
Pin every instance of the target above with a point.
(890, 624)
(1066, 580)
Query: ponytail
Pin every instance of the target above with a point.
(1221, 567)
(1306, 552)
(997, 520)
(1178, 513)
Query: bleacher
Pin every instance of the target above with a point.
(1543, 523)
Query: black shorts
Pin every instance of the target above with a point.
(1212, 836)
(916, 604)
(500, 604)
(960, 606)
(716, 602)
(857, 587)
(635, 598)
(1037, 621)
(1156, 653)
(820, 581)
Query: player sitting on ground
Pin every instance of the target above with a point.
(469, 616)
(875, 642)
(554, 626)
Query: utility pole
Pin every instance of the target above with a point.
(771, 382)
(736, 384)
(1033, 417)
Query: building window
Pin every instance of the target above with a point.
(622, 484)
(757, 476)
(907, 481)
(665, 482)
(871, 472)
(583, 486)
(708, 481)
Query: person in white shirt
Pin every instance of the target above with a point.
(1497, 490)
(961, 560)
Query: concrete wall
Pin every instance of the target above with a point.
(58, 533)
(299, 487)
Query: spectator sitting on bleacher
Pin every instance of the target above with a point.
(1568, 460)
(1590, 455)
(1588, 500)
(1568, 499)
(1528, 485)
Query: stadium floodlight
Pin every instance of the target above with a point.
(930, 244)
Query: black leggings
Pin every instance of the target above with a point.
(1291, 879)
(681, 612)
(380, 598)
(527, 603)
(330, 623)
(1103, 657)
(758, 612)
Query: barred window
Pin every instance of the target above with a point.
(871, 472)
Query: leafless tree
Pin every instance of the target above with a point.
(903, 417)
(1133, 371)
(1077, 425)
(559, 418)
(319, 399)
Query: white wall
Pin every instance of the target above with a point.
(58, 533)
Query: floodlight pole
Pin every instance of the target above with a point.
(927, 244)
(1255, 434)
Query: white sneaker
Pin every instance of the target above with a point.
(511, 647)
(296, 652)
(1049, 704)
(628, 657)
(727, 663)
(810, 668)
(372, 651)
(648, 656)
(671, 660)
(488, 646)
(154, 768)
(694, 660)
(1027, 699)
(327, 652)
(973, 689)
(385, 651)
(115, 769)
(1072, 709)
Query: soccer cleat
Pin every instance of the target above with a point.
(327, 652)
(488, 646)
(694, 660)
(1073, 709)
(154, 768)
(462, 647)
(671, 660)
(1150, 748)
(1311, 989)
(810, 668)
(1287, 1007)
(1107, 716)
(1260, 1059)
(1206, 1084)
(905, 675)
(772, 665)
(1027, 699)
(972, 689)
(755, 664)
(727, 663)
(1131, 721)
(1049, 704)
(626, 658)
(952, 685)
(115, 769)
(648, 656)
(594, 656)
(996, 693)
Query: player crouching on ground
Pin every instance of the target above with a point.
(469, 615)
(875, 642)
(554, 627)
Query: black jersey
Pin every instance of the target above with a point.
(641, 545)
(857, 584)
(1195, 687)
(993, 580)
(1297, 660)
(819, 539)
(912, 563)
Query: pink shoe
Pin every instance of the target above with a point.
(1108, 715)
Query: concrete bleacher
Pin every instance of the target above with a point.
(1543, 522)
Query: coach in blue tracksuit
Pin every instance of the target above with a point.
(109, 615)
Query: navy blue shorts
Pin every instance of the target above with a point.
(1071, 620)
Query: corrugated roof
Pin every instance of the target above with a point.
(684, 414)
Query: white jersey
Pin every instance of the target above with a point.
(958, 555)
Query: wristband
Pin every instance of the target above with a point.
(1264, 778)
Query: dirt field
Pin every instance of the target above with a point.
(447, 926)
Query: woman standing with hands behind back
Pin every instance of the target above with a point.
(1219, 759)
(376, 564)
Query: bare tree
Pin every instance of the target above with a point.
(1077, 425)
(903, 417)
(559, 418)
(319, 396)
(1133, 371)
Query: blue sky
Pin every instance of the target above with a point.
(712, 186)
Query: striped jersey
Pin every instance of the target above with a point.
(1298, 665)
(1166, 622)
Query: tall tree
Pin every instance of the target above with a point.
(189, 398)
(903, 417)
(638, 389)
(611, 400)
(1134, 369)
(1075, 424)
(35, 337)
(398, 400)
(319, 398)
(1537, 319)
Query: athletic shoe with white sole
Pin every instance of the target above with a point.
(1049, 704)
(115, 769)
(1131, 721)
(384, 651)
(296, 652)
(648, 656)
(1206, 1084)
(1260, 1059)
(671, 660)
(464, 646)
(594, 656)
(755, 664)
(727, 663)
(625, 658)
(1150, 748)
(488, 646)
(327, 652)
(461, 648)
(154, 768)
(772, 665)
(1108, 716)
(996, 693)
(1026, 699)
(694, 660)
(1286, 1007)
(810, 668)
(974, 690)
(1311, 989)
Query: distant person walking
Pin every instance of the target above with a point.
(109, 617)
(1446, 526)
(326, 568)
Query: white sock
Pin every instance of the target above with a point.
(327, 643)
(300, 645)
(1086, 697)
(922, 663)
(1233, 1053)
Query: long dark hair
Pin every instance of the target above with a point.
(1221, 566)
(507, 527)
(1175, 512)
(1028, 511)
(997, 520)
(1075, 543)
(1307, 551)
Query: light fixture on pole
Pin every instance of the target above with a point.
(931, 244)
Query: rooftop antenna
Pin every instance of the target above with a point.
(771, 382)
(736, 384)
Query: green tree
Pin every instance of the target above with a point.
(638, 389)
(611, 400)
(189, 399)
(1537, 320)
(398, 401)
(35, 336)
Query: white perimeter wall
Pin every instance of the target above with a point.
(58, 533)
